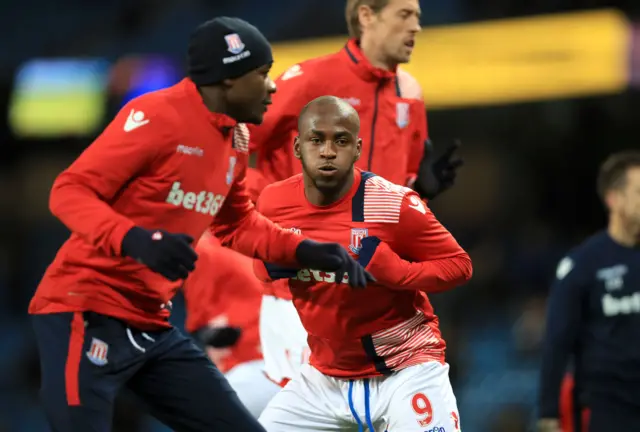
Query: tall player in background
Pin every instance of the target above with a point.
(223, 300)
(377, 355)
(393, 129)
(593, 316)
(170, 166)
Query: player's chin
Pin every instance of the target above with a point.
(330, 180)
(326, 183)
(404, 56)
(255, 118)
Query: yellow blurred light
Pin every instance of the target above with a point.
(506, 61)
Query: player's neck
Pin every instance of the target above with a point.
(374, 55)
(212, 100)
(323, 198)
(622, 233)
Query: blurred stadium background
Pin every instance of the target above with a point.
(539, 92)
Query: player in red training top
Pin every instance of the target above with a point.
(389, 101)
(168, 167)
(365, 73)
(377, 355)
(223, 302)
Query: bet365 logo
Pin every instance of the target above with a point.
(308, 275)
(202, 202)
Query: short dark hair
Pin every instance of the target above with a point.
(613, 171)
(353, 17)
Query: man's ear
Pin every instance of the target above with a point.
(358, 148)
(365, 16)
(296, 147)
(611, 199)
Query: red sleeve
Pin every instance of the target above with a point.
(274, 278)
(423, 255)
(241, 227)
(83, 194)
(293, 93)
(418, 136)
(221, 288)
(202, 297)
(255, 183)
(259, 268)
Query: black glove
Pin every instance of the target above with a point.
(171, 255)
(332, 257)
(220, 337)
(437, 171)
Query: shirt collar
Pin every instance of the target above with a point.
(361, 65)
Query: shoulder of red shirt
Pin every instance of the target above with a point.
(410, 88)
(274, 194)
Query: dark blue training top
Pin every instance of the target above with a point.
(593, 321)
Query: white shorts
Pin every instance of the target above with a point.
(253, 388)
(418, 398)
(283, 339)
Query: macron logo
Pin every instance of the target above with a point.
(417, 204)
(292, 72)
(202, 202)
(190, 151)
(135, 120)
(353, 101)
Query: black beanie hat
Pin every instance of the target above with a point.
(224, 48)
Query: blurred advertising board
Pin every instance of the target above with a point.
(73, 97)
(479, 64)
(53, 97)
(507, 61)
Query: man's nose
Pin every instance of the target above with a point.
(328, 150)
(271, 86)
